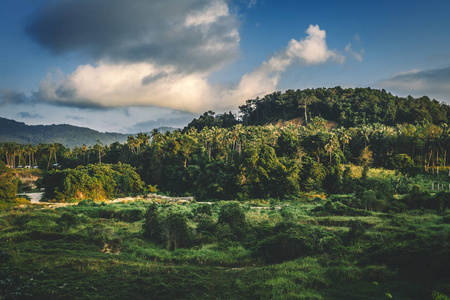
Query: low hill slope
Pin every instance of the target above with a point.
(346, 107)
(67, 135)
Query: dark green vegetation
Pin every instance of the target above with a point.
(302, 249)
(8, 188)
(347, 107)
(67, 135)
(352, 207)
(98, 182)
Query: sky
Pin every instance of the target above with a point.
(131, 66)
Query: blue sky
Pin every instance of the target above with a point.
(130, 66)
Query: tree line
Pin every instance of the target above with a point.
(347, 107)
(253, 161)
(262, 161)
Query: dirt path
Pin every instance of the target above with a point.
(36, 197)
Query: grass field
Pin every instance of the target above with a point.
(98, 251)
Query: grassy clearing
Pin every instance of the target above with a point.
(97, 251)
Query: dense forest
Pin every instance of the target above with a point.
(353, 204)
(346, 107)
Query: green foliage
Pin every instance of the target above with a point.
(151, 223)
(210, 119)
(357, 231)
(330, 208)
(96, 182)
(8, 188)
(348, 107)
(232, 218)
(175, 231)
(282, 254)
(290, 241)
(439, 296)
(67, 220)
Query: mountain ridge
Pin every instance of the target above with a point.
(65, 134)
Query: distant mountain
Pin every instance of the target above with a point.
(67, 135)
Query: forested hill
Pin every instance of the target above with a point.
(347, 107)
(67, 135)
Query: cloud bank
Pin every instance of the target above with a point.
(122, 84)
(189, 35)
(158, 53)
(433, 83)
(11, 97)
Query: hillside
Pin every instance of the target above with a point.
(346, 107)
(67, 135)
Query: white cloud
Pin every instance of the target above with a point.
(116, 85)
(251, 3)
(208, 14)
(356, 55)
(110, 84)
(311, 50)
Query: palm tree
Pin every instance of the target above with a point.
(28, 152)
(89, 150)
(331, 145)
(75, 151)
(131, 142)
(142, 138)
(51, 149)
(33, 150)
(304, 101)
(83, 150)
(344, 137)
(98, 148)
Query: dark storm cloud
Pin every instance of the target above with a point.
(139, 30)
(152, 78)
(433, 83)
(27, 115)
(13, 97)
(436, 75)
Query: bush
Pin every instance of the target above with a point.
(205, 223)
(202, 209)
(357, 231)
(92, 181)
(288, 242)
(233, 215)
(330, 208)
(129, 215)
(67, 220)
(151, 223)
(175, 231)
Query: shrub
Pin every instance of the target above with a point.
(175, 231)
(129, 215)
(290, 241)
(151, 223)
(206, 223)
(92, 181)
(330, 208)
(357, 231)
(67, 220)
(233, 215)
(202, 209)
